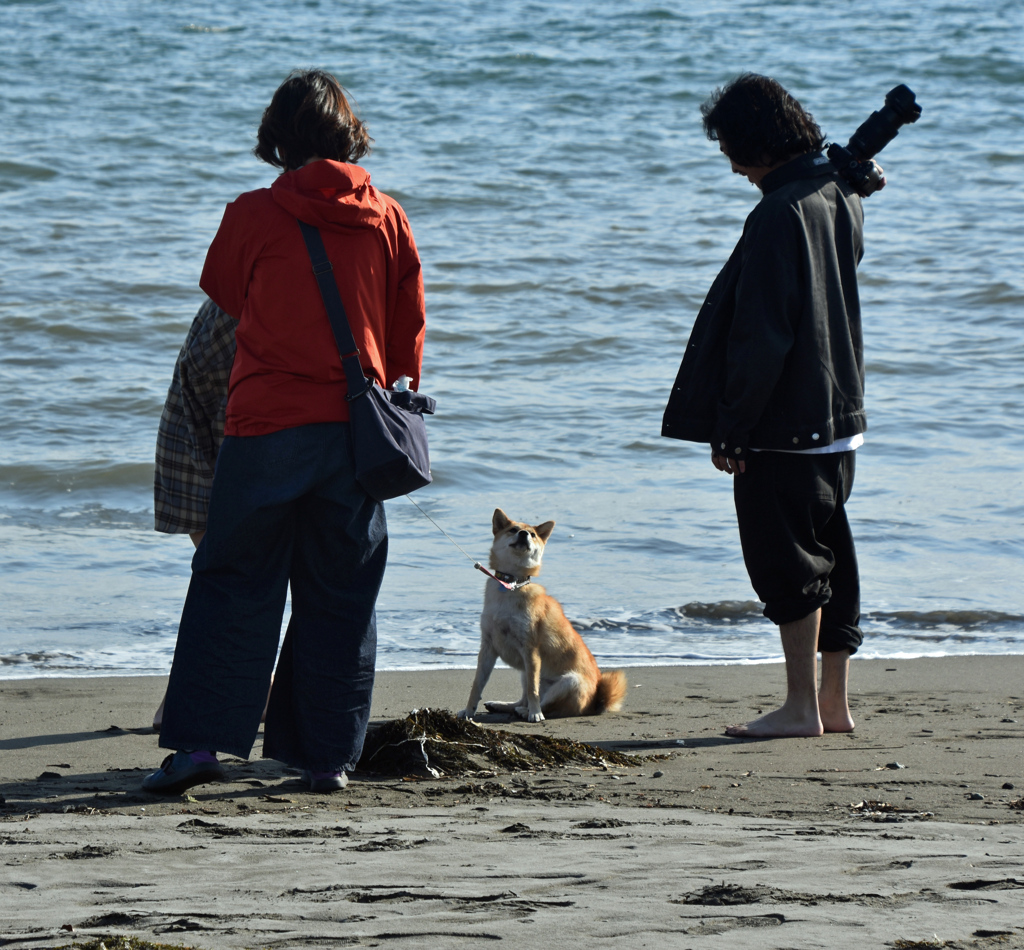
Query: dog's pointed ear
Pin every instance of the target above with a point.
(500, 521)
(544, 530)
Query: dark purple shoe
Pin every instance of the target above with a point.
(325, 781)
(182, 770)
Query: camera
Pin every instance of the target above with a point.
(854, 162)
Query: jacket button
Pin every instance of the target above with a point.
(815, 436)
(723, 445)
(796, 440)
(739, 451)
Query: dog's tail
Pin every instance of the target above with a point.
(610, 692)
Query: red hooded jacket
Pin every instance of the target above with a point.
(287, 370)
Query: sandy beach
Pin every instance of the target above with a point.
(910, 829)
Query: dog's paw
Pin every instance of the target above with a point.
(505, 708)
(536, 717)
(466, 713)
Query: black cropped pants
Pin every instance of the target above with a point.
(797, 544)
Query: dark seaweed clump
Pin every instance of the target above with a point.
(435, 743)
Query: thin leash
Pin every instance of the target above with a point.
(508, 586)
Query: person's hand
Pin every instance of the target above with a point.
(730, 466)
(879, 175)
(873, 180)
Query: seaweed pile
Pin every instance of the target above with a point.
(122, 942)
(434, 743)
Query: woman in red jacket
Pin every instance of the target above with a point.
(285, 507)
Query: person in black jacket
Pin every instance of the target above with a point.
(773, 379)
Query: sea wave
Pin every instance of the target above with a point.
(967, 621)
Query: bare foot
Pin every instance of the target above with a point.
(846, 726)
(833, 699)
(780, 724)
(836, 720)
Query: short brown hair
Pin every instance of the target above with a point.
(758, 123)
(310, 116)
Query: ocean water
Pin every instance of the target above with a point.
(570, 216)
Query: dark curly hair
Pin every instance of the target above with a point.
(310, 116)
(758, 123)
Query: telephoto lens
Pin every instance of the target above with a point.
(854, 162)
(883, 126)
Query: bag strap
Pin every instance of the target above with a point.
(323, 270)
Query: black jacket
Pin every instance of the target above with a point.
(775, 359)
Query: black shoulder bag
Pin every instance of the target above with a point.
(389, 436)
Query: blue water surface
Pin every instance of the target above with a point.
(570, 215)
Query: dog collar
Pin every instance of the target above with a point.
(511, 581)
(508, 581)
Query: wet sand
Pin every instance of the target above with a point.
(911, 828)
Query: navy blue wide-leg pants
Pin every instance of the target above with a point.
(285, 508)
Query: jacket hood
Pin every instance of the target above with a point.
(327, 193)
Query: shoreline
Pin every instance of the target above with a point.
(900, 830)
(470, 666)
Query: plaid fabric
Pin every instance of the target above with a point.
(192, 423)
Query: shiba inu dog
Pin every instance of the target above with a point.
(528, 630)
